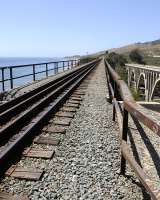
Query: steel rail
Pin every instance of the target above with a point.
(16, 147)
(34, 66)
(16, 109)
(9, 129)
(13, 102)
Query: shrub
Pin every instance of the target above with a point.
(86, 59)
(136, 56)
(117, 61)
(136, 94)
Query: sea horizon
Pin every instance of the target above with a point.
(24, 60)
(20, 61)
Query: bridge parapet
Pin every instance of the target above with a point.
(145, 79)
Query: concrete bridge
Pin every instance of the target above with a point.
(146, 80)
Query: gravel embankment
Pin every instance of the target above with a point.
(87, 161)
(146, 148)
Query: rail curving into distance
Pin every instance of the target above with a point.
(27, 114)
(9, 74)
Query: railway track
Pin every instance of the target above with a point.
(23, 118)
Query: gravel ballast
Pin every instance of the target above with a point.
(87, 161)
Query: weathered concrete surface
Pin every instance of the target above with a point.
(145, 79)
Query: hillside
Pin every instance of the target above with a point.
(151, 48)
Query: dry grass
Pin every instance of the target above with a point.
(146, 49)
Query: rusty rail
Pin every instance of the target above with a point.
(37, 114)
(118, 90)
(8, 73)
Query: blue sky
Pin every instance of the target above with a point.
(68, 27)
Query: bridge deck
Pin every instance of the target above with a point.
(146, 67)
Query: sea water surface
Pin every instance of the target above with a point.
(13, 61)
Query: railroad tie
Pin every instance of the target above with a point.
(74, 105)
(64, 114)
(62, 121)
(74, 102)
(33, 111)
(8, 196)
(46, 140)
(55, 129)
(38, 153)
(75, 98)
(24, 173)
(68, 109)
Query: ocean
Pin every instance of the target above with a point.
(13, 61)
(10, 61)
